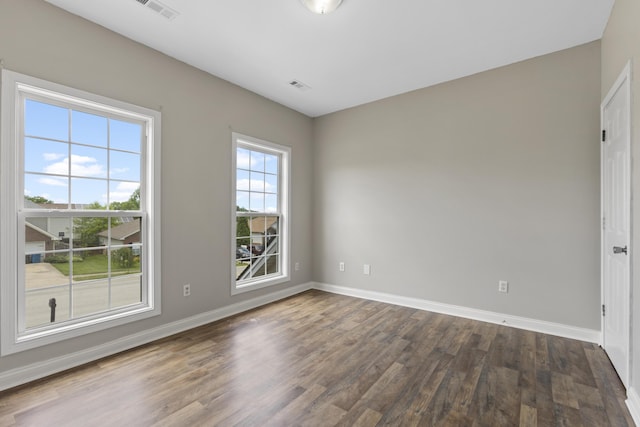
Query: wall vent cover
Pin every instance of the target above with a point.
(160, 8)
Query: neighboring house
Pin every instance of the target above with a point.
(259, 227)
(122, 234)
(58, 227)
(37, 241)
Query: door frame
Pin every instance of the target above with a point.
(625, 75)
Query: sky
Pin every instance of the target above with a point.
(76, 157)
(256, 181)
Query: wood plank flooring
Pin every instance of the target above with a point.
(318, 359)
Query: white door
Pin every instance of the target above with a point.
(616, 213)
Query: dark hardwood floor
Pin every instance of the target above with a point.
(320, 359)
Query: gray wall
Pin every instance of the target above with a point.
(621, 43)
(198, 114)
(446, 190)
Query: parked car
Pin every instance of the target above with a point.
(242, 253)
(257, 249)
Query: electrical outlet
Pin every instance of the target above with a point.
(297, 266)
(341, 266)
(186, 290)
(503, 286)
(366, 269)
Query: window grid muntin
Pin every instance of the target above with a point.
(264, 244)
(71, 104)
(71, 214)
(283, 155)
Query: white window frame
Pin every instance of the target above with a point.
(15, 87)
(284, 208)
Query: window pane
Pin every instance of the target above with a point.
(91, 232)
(42, 155)
(124, 195)
(124, 166)
(242, 201)
(271, 164)
(37, 305)
(242, 180)
(125, 136)
(89, 193)
(271, 183)
(126, 261)
(243, 231)
(272, 225)
(88, 129)
(271, 203)
(46, 234)
(256, 203)
(258, 267)
(256, 225)
(126, 290)
(257, 181)
(273, 265)
(257, 161)
(89, 265)
(90, 296)
(126, 231)
(88, 161)
(48, 188)
(242, 268)
(243, 158)
(45, 120)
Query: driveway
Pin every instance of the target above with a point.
(42, 275)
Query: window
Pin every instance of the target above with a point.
(79, 212)
(260, 214)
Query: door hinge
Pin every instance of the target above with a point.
(603, 311)
(604, 222)
(604, 135)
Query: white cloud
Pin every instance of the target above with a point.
(50, 157)
(56, 182)
(128, 186)
(117, 171)
(243, 159)
(80, 165)
(123, 191)
(254, 184)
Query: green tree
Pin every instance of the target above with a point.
(242, 228)
(86, 229)
(133, 204)
(123, 258)
(39, 200)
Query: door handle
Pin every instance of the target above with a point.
(619, 250)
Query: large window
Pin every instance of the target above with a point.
(260, 214)
(80, 221)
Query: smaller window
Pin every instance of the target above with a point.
(260, 214)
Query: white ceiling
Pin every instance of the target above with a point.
(364, 51)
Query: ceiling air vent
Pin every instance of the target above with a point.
(299, 85)
(159, 8)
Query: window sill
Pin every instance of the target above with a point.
(251, 286)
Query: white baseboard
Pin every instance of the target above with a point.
(39, 370)
(633, 403)
(535, 325)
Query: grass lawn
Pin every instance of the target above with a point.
(95, 267)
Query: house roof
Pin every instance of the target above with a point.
(41, 231)
(261, 223)
(122, 231)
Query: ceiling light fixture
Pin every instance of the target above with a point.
(322, 7)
